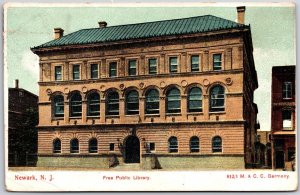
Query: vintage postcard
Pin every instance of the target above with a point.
(150, 97)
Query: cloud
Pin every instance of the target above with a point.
(30, 62)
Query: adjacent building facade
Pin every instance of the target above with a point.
(173, 94)
(22, 132)
(283, 117)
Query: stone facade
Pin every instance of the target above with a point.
(235, 125)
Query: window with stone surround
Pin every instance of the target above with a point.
(74, 146)
(132, 103)
(75, 105)
(173, 64)
(173, 103)
(217, 144)
(58, 106)
(94, 71)
(194, 144)
(152, 102)
(58, 73)
(112, 103)
(93, 102)
(113, 69)
(195, 100)
(217, 99)
(76, 72)
(56, 145)
(132, 67)
(195, 63)
(217, 62)
(173, 144)
(93, 145)
(152, 66)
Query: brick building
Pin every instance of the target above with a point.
(166, 94)
(283, 117)
(22, 133)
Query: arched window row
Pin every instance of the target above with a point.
(194, 145)
(132, 102)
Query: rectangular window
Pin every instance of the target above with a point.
(76, 72)
(173, 64)
(217, 60)
(153, 66)
(58, 73)
(152, 146)
(111, 147)
(94, 71)
(194, 63)
(132, 67)
(287, 119)
(113, 69)
(287, 90)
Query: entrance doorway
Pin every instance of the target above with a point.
(132, 150)
(279, 155)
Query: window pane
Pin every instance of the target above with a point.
(217, 144)
(132, 67)
(152, 102)
(287, 118)
(173, 101)
(57, 146)
(94, 71)
(93, 104)
(217, 99)
(112, 104)
(287, 90)
(195, 63)
(93, 145)
(132, 103)
(59, 106)
(173, 64)
(113, 69)
(217, 62)
(152, 66)
(195, 100)
(173, 144)
(58, 73)
(76, 72)
(74, 146)
(76, 105)
(194, 144)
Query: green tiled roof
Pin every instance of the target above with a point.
(191, 25)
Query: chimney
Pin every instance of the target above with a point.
(241, 14)
(102, 24)
(16, 83)
(58, 33)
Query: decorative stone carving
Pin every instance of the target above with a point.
(102, 88)
(228, 81)
(49, 91)
(206, 82)
(162, 84)
(122, 86)
(84, 89)
(142, 85)
(184, 83)
(66, 90)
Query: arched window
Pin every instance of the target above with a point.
(173, 101)
(195, 100)
(152, 102)
(93, 145)
(75, 105)
(58, 106)
(93, 102)
(132, 103)
(74, 146)
(56, 146)
(194, 144)
(217, 144)
(173, 144)
(217, 99)
(112, 103)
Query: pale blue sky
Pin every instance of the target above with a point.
(273, 34)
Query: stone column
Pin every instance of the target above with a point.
(102, 110)
(122, 110)
(162, 68)
(162, 108)
(206, 61)
(66, 71)
(103, 69)
(183, 64)
(66, 112)
(84, 111)
(142, 66)
(228, 61)
(83, 74)
(184, 106)
(142, 108)
(205, 108)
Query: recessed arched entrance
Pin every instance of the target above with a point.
(132, 150)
